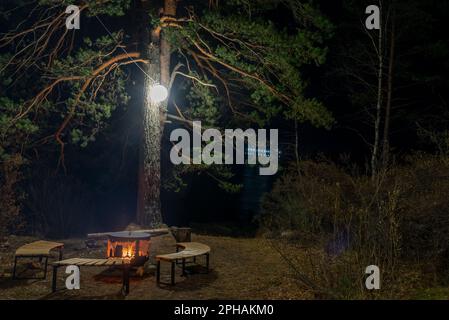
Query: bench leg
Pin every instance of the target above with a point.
(14, 270)
(45, 268)
(55, 276)
(61, 251)
(207, 262)
(125, 287)
(158, 272)
(177, 250)
(173, 273)
(183, 267)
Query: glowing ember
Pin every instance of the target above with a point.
(129, 245)
(127, 251)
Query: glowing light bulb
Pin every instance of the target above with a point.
(158, 93)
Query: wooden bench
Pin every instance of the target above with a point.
(88, 262)
(38, 249)
(190, 250)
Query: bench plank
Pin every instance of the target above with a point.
(94, 262)
(90, 262)
(191, 249)
(38, 248)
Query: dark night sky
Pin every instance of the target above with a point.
(202, 200)
(107, 169)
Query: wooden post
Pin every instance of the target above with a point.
(177, 250)
(137, 248)
(55, 273)
(207, 262)
(15, 266)
(125, 286)
(183, 267)
(158, 272)
(45, 268)
(173, 273)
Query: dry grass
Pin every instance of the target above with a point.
(241, 268)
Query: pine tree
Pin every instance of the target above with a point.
(233, 65)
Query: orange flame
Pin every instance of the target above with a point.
(127, 251)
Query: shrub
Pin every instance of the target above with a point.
(10, 211)
(399, 216)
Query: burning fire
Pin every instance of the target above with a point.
(127, 251)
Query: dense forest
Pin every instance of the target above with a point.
(362, 117)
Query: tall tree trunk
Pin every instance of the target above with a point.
(157, 51)
(375, 154)
(169, 11)
(385, 146)
(148, 205)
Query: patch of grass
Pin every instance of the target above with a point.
(240, 268)
(225, 229)
(437, 293)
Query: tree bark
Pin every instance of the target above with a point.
(385, 144)
(169, 11)
(158, 50)
(375, 154)
(148, 206)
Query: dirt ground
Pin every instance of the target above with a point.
(241, 268)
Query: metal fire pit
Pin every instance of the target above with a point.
(134, 245)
